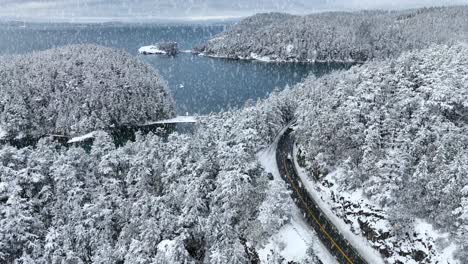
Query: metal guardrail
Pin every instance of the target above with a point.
(328, 234)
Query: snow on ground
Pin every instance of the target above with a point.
(447, 254)
(444, 247)
(171, 251)
(214, 56)
(166, 245)
(267, 157)
(82, 138)
(151, 50)
(423, 227)
(358, 242)
(292, 242)
(352, 212)
(178, 119)
(294, 238)
(255, 56)
(3, 133)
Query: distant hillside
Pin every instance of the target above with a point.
(77, 89)
(339, 36)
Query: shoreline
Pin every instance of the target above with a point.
(271, 60)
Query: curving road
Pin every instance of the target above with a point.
(327, 232)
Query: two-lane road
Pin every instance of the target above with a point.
(335, 242)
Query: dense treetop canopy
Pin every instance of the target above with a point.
(181, 199)
(77, 89)
(398, 130)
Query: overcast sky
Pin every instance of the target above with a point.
(187, 9)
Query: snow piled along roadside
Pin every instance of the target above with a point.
(292, 242)
(294, 238)
(358, 242)
(351, 212)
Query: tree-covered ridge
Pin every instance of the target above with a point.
(340, 36)
(77, 89)
(185, 199)
(399, 130)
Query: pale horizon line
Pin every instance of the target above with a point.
(195, 18)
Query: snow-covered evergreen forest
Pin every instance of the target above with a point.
(339, 36)
(77, 89)
(393, 129)
(185, 199)
(396, 128)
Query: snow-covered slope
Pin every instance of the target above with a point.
(356, 240)
(397, 133)
(366, 225)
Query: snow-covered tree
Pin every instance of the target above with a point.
(398, 129)
(77, 89)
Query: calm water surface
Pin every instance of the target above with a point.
(200, 85)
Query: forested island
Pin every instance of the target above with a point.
(77, 89)
(339, 36)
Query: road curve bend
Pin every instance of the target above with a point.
(329, 235)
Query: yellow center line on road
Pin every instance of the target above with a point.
(315, 218)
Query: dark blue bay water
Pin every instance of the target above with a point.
(199, 84)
